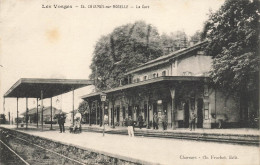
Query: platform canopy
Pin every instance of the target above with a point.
(32, 87)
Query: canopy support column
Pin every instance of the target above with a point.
(51, 113)
(172, 90)
(100, 114)
(37, 113)
(113, 113)
(90, 107)
(26, 118)
(96, 112)
(103, 111)
(73, 106)
(42, 108)
(147, 109)
(17, 115)
(4, 105)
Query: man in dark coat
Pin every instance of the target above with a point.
(140, 120)
(155, 121)
(192, 121)
(164, 121)
(61, 120)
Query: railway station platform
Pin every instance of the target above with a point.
(156, 150)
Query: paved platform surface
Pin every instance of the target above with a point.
(233, 131)
(157, 150)
(238, 131)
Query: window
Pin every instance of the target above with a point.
(145, 77)
(206, 110)
(123, 112)
(206, 90)
(187, 74)
(173, 63)
(138, 80)
(164, 73)
(154, 75)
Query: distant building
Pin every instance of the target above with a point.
(32, 114)
(175, 84)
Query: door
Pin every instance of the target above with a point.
(145, 112)
(130, 113)
(155, 108)
(199, 113)
(124, 112)
(186, 114)
(117, 114)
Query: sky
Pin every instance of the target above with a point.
(37, 42)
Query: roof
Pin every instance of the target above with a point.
(31, 87)
(146, 82)
(95, 94)
(166, 58)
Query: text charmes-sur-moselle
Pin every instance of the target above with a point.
(94, 6)
(83, 6)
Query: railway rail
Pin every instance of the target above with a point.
(252, 140)
(9, 156)
(26, 150)
(21, 148)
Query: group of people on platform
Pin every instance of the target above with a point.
(128, 122)
(61, 117)
(163, 119)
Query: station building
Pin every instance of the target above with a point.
(32, 114)
(176, 85)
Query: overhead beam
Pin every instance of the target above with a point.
(52, 87)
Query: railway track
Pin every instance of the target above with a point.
(9, 156)
(254, 141)
(42, 151)
(16, 150)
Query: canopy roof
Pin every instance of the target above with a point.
(161, 79)
(31, 87)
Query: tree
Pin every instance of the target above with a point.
(195, 38)
(83, 107)
(126, 47)
(233, 33)
(233, 41)
(174, 41)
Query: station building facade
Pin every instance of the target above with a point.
(176, 85)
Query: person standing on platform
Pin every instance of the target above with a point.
(61, 120)
(192, 121)
(140, 121)
(155, 121)
(106, 119)
(164, 121)
(130, 127)
(77, 120)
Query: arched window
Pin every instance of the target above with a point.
(145, 77)
(164, 73)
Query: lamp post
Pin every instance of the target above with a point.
(103, 97)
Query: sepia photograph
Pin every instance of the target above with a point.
(129, 82)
